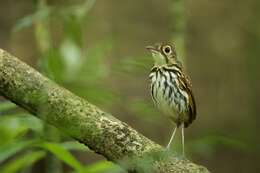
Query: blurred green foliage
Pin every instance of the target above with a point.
(24, 139)
(22, 144)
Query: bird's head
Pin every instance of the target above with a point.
(163, 54)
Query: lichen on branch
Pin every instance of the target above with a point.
(88, 124)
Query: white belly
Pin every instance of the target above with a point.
(167, 96)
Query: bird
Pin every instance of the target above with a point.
(171, 88)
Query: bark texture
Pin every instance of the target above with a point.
(98, 130)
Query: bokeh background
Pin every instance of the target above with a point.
(96, 49)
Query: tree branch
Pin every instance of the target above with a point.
(84, 122)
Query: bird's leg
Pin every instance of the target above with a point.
(182, 139)
(173, 133)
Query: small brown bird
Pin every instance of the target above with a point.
(171, 88)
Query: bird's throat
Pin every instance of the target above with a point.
(159, 59)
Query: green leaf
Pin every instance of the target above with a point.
(73, 30)
(71, 54)
(16, 125)
(73, 145)
(11, 128)
(22, 161)
(29, 20)
(5, 106)
(31, 122)
(53, 65)
(22, 23)
(94, 63)
(61, 153)
(12, 148)
(101, 166)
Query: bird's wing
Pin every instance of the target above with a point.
(185, 85)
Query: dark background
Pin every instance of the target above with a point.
(97, 50)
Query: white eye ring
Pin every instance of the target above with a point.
(167, 50)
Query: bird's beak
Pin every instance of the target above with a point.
(151, 49)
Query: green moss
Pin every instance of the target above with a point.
(81, 120)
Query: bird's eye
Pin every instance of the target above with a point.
(167, 49)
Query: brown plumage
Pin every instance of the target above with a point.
(186, 85)
(171, 88)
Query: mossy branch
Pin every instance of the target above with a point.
(85, 122)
